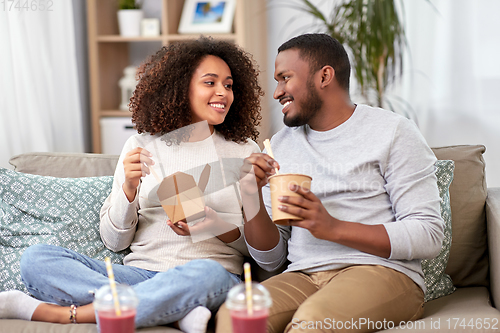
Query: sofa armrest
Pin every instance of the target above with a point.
(493, 227)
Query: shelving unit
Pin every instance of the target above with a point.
(109, 52)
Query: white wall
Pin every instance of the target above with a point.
(455, 79)
(284, 22)
(452, 80)
(40, 98)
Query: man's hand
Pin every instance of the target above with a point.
(315, 217)
(371, 239)
(136, 165)
(256, 169)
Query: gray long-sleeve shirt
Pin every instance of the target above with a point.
(375, 168)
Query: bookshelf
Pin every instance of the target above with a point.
(109, 53)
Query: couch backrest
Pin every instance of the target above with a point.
(468, 262)
(65, 165)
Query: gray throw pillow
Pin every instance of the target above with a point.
(41, 209)
(439, 283)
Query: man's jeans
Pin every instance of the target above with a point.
(61, 276)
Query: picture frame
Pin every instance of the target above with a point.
(150, 27)
(207, 16)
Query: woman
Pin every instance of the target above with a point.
(196, 103)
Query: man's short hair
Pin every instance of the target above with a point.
(321, 50)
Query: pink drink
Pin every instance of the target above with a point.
(109, 322)
(244, 323)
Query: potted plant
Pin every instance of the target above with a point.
(374, 35)
(129, 18)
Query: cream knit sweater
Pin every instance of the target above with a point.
(141, 224)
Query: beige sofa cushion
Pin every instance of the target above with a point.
(468, 262)
(467, 310)
(22, 326)
(65, 165)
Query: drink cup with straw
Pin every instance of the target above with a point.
(115, 305)
(249, 304)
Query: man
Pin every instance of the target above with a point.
(372, 212)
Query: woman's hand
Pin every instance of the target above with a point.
(136, 165)
(181, 228)
(211, 226)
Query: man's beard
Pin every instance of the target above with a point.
(307, 109)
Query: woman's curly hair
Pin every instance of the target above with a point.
(160, 103)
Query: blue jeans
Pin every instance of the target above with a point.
(61, 276)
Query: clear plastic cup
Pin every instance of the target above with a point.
(108, 321)
(243, 320)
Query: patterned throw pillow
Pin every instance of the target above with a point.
(439, 283)
(59, 211)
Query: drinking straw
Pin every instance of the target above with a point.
(267, 145)
(248, 285)
(112, 284)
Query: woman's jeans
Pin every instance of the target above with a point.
(57, 275)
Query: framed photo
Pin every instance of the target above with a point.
(205, 16)
(150, 27)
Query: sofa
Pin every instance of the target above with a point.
(468, 287)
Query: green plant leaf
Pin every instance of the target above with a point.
(374, 36)
(129, 4)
